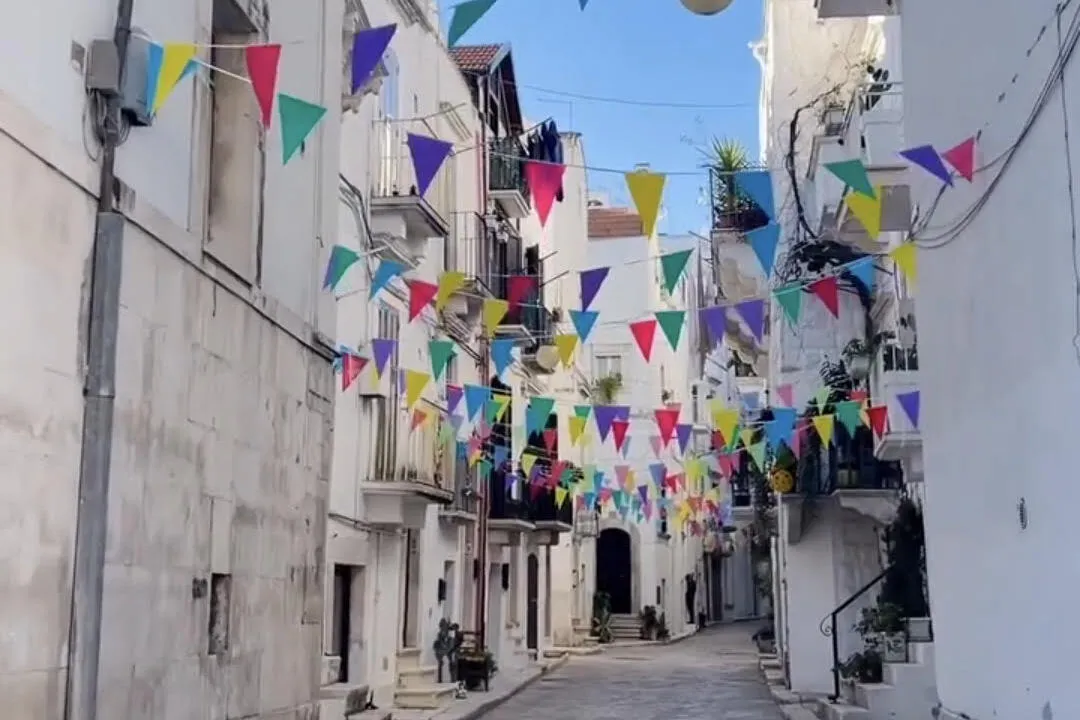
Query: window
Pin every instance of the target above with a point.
(607, 365)
(218, 624)
(387, 409)
(236, 150)
(394, 153)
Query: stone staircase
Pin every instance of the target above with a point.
(417, 685)
(625, 627)
(908, 691)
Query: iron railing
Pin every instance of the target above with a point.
(731, 210)
(846, 463)
(471, 249)
(506, 166)
(829, 627)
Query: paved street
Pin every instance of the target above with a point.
(711, 676)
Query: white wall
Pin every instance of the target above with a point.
(996, 655)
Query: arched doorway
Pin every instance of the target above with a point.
(532, 598)
(613, 569)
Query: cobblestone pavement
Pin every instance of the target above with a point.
(710, 676)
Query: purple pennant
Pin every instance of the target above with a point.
(591, 280)
(909, 402)
(753, 312)
(367, 50)
(605, 415)
(715, 319)
(659, 473)
(926, 157)
(622, 412)
(682, 432)
(456, 421)
(643, 491)
(428, 155)
(454, 394)
(382, 349)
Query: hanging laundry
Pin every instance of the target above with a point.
(545, 145)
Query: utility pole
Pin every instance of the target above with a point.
(99, 394)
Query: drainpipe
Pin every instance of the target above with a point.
(99, 391)
(485, 369)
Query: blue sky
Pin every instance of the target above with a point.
(641, 50)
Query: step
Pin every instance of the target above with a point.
(590, 640)
(419, 676)
(905, 674)
(774, 676)
(408, 658)
(430, 697)
(842, 711)
(351, 699)
(921, 652)
(558, 652)
(912, 701)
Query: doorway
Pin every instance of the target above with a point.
(411, 606)
(613, 569)
(345, 640)
(532, 603)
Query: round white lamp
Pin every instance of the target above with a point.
(706, 7)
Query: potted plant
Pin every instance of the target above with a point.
(905, 585)
(884, 630)
(601, 619)
(662, 632)
(475, 667)
(605, 389)
(864, 667)
(649, 622)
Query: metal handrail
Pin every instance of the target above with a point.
(831, 631)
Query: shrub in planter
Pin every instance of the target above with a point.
(662, 632)
(864, 667)
(884, 630)
(601, 619)
(649, 621)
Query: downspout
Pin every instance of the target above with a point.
(484, 366)
(99, 393)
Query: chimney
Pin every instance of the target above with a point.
(641, 167)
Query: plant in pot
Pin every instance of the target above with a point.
(864, 667)
(606, 389)
(649, 622)
(601, 619)
(662, 632)
(883, 629)
(905, 585)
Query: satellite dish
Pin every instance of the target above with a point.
(547, 357)
(706, 7)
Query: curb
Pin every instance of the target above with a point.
(497, 701)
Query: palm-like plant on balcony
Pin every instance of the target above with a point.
(605, 389)
(730, 208)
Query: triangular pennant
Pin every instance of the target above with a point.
(583, 411)
(622, 474)
(262, 69)
(849, 413)
(656, 444)
(853, 174)
(926, 157)
(384, 273)
(415, 382)
(757, 185)
(604, 416)
(867, 210)
(644, 331)
(824, 425)
(827, 290)
(419, 417)
(551, 439)
(682, 433)
(341, 259)
(428, 155)
(909, 403)
(351, 365)
(626, 447)
(672, 266)
(821, 397)
(528, 461)
(174, 63)
(907, 259)
(518, 289)
(584, 321)
(382, 349)
(368, 47)
(863, 270)
(545, 179)
(764, 241)
(786, 395)
(879, 419)
(449, 283)
(753, 314)
(962, 158)
(715, 320)
(420, 296)
(671, 322)
(591, 280)
(658, 471)
(566, 345)
(502, 354)
(560, 497)
(454, 393)
(500, 401)
(725, 421)
(446, 434)
(466, 14)
(577, 428)
(795, 443)
(790, 301)
(646, 190)
(618, 431)
(494, 311)
(537, 414)
(666, 420)
(298, 119)
(476, 399)
(441, 352)
(747, 435)
(757, 454)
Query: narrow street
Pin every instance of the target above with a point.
(711, 676)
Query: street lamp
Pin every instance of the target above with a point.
(706, 7)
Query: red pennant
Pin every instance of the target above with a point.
(786, 395)
(580, 502)
(420, 296)
(518, 288)
(557, 469)
(262, 68)
(858, 395)
(418, 418)
(826, 289)
(644, 331)
(618, 431)
(879, 419)
(605, 494)
(351, 365)
(666, 420)
(535, 489)
(544, 180)
(736, 460)
(962, 158)
(724, 461)
(551, 439)
(718, 441)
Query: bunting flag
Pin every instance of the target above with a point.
(476, 399)
(368, 48)
(821, 398)
(962, 158)
(879, 419)
(450, 282)
(441, 352)
(454, 393)
(419, 418)
(715, 321)
(658, 471)
(646, 190)
(906, 258)
(466, 14)
(824, 426)
(753, 314)
(262, 69)
(863, 270)
(827, 290)
(780, 429)
(757, 454)
(298, 119)
(551, 440)
(672, 266)
(545, 180)
(341, 259)
(502, 354)
(583, 411)
(591, 280)
(644, 331)
(384, 274)
(853, 174)
(757, 186)
(584, 321)
(566, 345)
(497, 407)
(171, 69)
(790, 301)
(764, 241)
(786, 395)
(537, 414)
(849, 413)
(415, 383)
(666, 420)
(494, 311)
(577, 429)
(926, 157)
(682, 434)
(420, 296)
(604, 416)
(351, 365)
(671, 322)
(725, 421)
(867, 210)
(528, 462)
(518, 289)
(382, 349)
(428, 155)
(618, 431)
(909, 403)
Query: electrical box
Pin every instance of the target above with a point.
(134, 100)
(103, 68)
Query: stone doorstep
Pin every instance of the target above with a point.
(408, 658)
(774, 676)
(842, 711)
(352, 698)
(557, 652)
(773, 664)
(419, 676)
(426, 697)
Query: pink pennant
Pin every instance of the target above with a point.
(654, 443)
(351, 365)
(736, 460)
(795, 442)
(544, 180)
(723, 460)
(622, 472)
(879, 419)
(644, 331)
(785, 394)
(551, 439)
(827, 291)
(666, 420)
(518, 288)
(420, 296)
(557, 469)
(418, 418)
(962, 158)
(535, 489)
(618, 431)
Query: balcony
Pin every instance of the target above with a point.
(732, 213)
(508, 515)
(464, 507)
(471, 250)
(548, 518)
(506, 177)
(530, 322)
(401, 221)
(854, 8)
(896, 371)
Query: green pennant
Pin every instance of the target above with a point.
(671, 322)
(298, 118)
(853, 174)
(446, 434)
(672, 266)
(757, 454)
(583, 411)
(537, 414)
(491, 412)
(733, 441)
(341, 259)
(790, 299)
(441, 351)
(466, 14)
(849, 413)
(821, 397)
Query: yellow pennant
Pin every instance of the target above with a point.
(824, 426)
(415, 382)
(560, 496)
(867, 211)
(502, 400)
(449, 283)
(577, 429)
(646, 189)
(494, 311)
(631, 482)
(566, 344)
(586, 440)
(725, 421)
(907, 259)
(475, 458)
(174, 62)
(527, 462)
